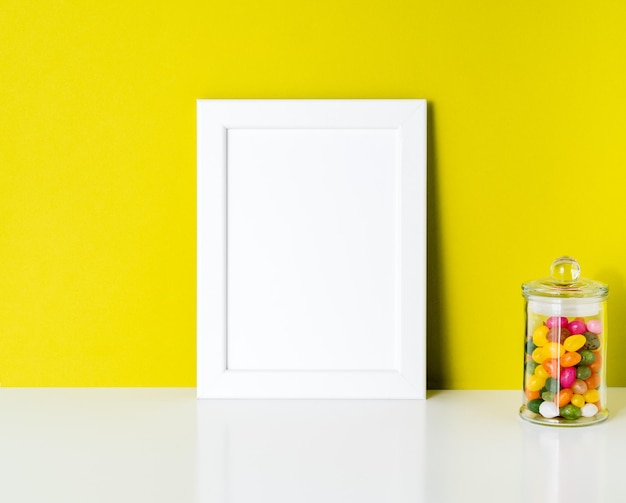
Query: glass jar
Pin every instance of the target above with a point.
(565, 348)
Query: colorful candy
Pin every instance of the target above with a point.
(541, 371)
(552, 384)
(563, 368)
(540, 335)
(583, 372)
(597, 364)
(595, 326)
(570, 359)
(552, 367)
(558, 335)
(578, 400)
(570, 411)
(574, 342)
(533, 405)
(592, 341)
(555, 350)
(564, 397)
(568, 376)
(535, 383)
(579, 386)
(593, 382)
(592, 396)
(589, 410)
(577, 327)
(587, 356)
(548, 410)
(556, 321)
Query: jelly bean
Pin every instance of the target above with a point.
(541, 371)
(592, 341)
(570, 412)
(533, 405)
(548, 396)
(535, 383)
(594, 326)
(532, 395)
(553, 350)
(564, 397)
(570, 359)
(531, 366)
(539, 335)
(530, 347)
(579, 386)
(552, 384)
(589, 410)
(568, 376)
(538, 355)
(558, 334)
(548, 410)
(556, 321)
(578, 400)
(591, 396)
(593, 382)
(574, 342)
(577, 327)
(587, 356)
(551, 366)
(597, 364)
(583, 372)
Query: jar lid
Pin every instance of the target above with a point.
(565, 283)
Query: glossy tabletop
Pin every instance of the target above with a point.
(162, 445)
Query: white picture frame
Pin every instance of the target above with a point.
(311, 249)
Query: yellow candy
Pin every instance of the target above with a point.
(540, 371)
(592, 396)
(535, 383)
(539, 335)
(578, 400)
(574, 342)
(553, 350)
(538, 355)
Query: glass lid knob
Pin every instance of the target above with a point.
(565, 270)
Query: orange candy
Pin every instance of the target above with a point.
(593, 382)
(570, 359)
(597, 364)
(531, 395)
(564, 397)
(552, 367)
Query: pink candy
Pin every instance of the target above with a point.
(577, 327)
(568, 376)
(595, 326)
(556, 321)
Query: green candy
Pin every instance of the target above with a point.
(531, 365)
(530, 347)
(570, 411)
(593, 341)
(552, 385)
(533, 405)
(583, 372)
(587, 356)
(547, 396)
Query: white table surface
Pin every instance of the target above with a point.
(162, 445)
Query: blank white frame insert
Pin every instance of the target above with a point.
(311, 249)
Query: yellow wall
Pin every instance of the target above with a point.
(97, 164)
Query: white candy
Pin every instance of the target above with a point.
(589, 410)
(548, 410)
